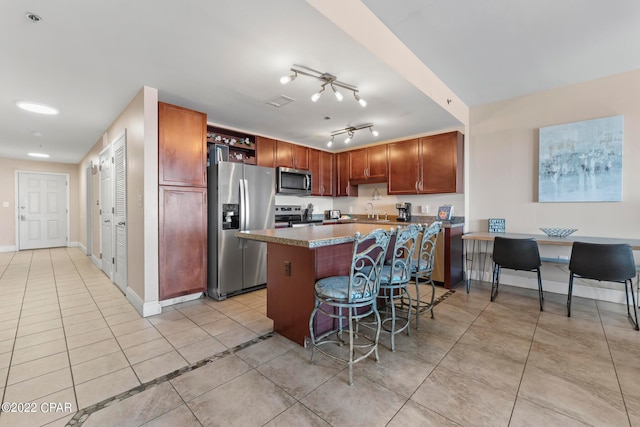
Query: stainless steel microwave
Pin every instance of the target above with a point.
(293, 181)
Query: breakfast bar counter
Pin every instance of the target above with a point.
(296, 259)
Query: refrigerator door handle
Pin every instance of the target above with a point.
(243, 208)
(245, 201)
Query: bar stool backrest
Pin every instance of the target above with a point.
(516, 254)
(369, 253)
(605, 262)
(424, 263)
(403, 252)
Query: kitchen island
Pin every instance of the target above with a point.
(296, 259)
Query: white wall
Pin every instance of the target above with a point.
(503, 169)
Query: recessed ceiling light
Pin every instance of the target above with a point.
(36, 107)
(38, 155)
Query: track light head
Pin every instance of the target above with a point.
(338, 95)
(361, 101)
(330, 143)
(317, 95)
(349, 137)
(373, 132)
(286, 79)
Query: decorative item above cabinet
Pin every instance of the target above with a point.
(242, 147)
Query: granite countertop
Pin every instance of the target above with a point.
(314, 236)
(456, 221)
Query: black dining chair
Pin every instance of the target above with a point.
(515, 254)
(607, 263)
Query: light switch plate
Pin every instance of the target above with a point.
(5, 204)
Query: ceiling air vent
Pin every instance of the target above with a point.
(280, 101)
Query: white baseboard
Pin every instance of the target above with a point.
(75, 245)
(144, 308)
(8, 249)
(97, 262)
(562, 288)
(82, 247)
(183, 298)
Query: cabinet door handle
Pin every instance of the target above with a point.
(347, 189)
(416, 185)
(420, 185)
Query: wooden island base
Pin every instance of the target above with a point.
(292, 272)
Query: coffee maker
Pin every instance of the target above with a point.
(404, 211)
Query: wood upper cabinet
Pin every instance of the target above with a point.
(442, 163)
(404, 167)
(429, 165)
(368, 165)
(321, 167)
(343, 184)
(292, 155)
(266, 152)
(182, 146)
(182, 241)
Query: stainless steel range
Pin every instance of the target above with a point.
(288, 216)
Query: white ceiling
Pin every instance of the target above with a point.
(225, 58)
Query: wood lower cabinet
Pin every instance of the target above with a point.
(182, 241)
(344, 188)
(182, 146)
(368, 165)
(449, 258)
(321, 167)
(429, 165)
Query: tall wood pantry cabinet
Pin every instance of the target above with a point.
(182, 199)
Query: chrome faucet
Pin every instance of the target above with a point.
(372, 214)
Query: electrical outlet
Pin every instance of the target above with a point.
(350, 209)
(425, 209)
(5, 204)
(287, 268)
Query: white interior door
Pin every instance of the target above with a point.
(120, 211)
(43, 214)
(106, 212)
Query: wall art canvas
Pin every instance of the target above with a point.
(581, 161)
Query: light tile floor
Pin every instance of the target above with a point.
(68, 335)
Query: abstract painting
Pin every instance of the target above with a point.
(581, 161)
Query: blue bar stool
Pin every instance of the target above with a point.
(356, 294)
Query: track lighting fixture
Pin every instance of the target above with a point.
(350, 131)
(326, 79)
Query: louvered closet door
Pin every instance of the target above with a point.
(120, 211)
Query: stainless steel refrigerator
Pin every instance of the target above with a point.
(241, 197)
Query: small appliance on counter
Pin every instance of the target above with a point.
(332, 214)
(404, 211)
(308, 213)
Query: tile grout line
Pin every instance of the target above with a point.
(15, 337)
(81, 416)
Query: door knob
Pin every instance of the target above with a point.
(107, 220)
(121, 223)
(23, 217)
